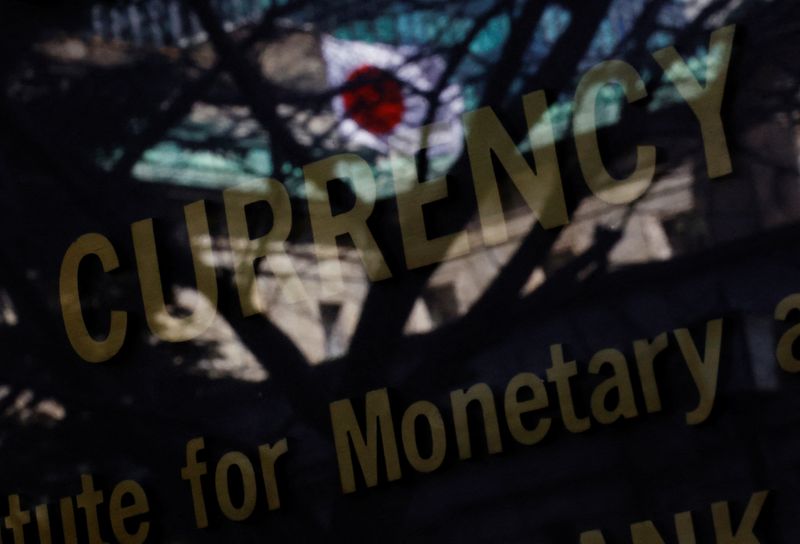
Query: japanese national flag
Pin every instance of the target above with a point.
(383, 99)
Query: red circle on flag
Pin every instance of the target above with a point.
(374, 99)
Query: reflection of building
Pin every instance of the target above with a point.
(158, 23)
(220, 144)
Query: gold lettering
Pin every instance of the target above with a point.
(600, 181)
(89, 349)
(705, 101)
(559, 373)
(785, 352)
(431, 414)
(268, 456)
(119, 513)
(221, 477)
(514, 408)
(193, 472)
(542, 189)
(163, 325)
(326, 226)
(645, 353)
(460, 399)
(621, 381)
(271, 246)
(17, 519)
(705, 371)
(744, 534)
(347, 430)
(411, 197)
(88, 500)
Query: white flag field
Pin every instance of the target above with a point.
(383, 103)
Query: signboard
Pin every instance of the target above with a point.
(469, 272)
